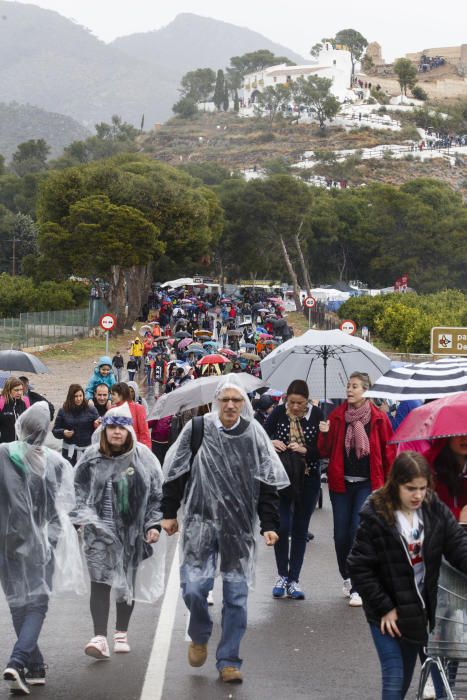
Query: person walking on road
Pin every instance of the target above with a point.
(12, 404)
(233, 476)
(121, 394)
(355, 439)
(395, 561)
(36, 494)
(117, 364)
(118, 495)
(293, 428)
(34, 396)
(102, 375)
(75, 424)
(101, 399)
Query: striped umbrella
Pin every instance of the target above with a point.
(422, 380)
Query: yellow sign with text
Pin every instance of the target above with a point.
(448, 341)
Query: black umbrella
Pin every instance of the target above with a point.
(182, 334)
(19, 361)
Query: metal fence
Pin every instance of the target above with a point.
(44, 328)
(319, 318)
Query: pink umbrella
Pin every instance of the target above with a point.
(438, 419)
(184, 343)
(265, 336)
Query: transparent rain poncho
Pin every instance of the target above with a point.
(117, 500)
(221, 498)
(39, 548)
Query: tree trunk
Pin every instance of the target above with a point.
(305, 273)
(138, 283)
(293, 276)
(117, 296)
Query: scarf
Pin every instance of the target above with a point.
(296, 432)
(355, 436)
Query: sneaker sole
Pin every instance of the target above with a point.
(35, 681)
(279, 595)
(96, 654)
(17, 685)
(355, 605)
(122, 651)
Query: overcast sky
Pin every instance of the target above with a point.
(399, 26)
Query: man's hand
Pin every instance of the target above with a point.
(170, 525)
(270, 538)
(152, 536)
(389, 624)
(279, 446)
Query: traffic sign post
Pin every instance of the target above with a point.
(365, 332)
(107, 322)
(309, 303)
(348, 326)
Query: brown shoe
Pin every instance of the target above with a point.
(197, 654)
(230, 674)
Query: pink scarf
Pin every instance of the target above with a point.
(355, 436)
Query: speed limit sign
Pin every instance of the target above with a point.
(309, 302)
(348, 326)
(107, 322)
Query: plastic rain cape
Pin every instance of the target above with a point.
(114, 548)
(222, 493)
(39, 548)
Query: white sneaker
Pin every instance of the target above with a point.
(210, 598)
(98, 648)
(355, 600)
(429, 690)
(346, 587)
(121, 645)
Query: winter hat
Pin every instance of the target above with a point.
(118, 415)
(264, 402)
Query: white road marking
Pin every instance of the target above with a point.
(155, 673)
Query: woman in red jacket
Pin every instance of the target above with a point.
(448, 460)
(120, 393)
(355, 439)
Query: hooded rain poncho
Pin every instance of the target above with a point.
(130, 485)
(221, 498)
(39, 549)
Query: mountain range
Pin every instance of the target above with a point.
(57, 65)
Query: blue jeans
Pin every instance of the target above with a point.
(28, 618)
(345, 510)
(397, 658)
(294, 520)
(234, 613)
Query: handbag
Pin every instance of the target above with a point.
(295, 465)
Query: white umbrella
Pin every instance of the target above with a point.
(422, 380)
(325, 360)
(197, 393)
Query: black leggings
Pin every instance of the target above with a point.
(100, 608)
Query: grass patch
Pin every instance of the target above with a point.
(85, 348)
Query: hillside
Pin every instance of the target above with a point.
(20, 123)
(55, 64)
(52, 63)
(191, 41)
(241, 143)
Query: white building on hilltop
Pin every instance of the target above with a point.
(331, 63)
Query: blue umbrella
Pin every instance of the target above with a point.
(195, 351)
(210, 344)
(260, 329)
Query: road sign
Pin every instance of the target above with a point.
(309, 302)
(365, 332)
(348, 326)
(107, 322)
(447, 340)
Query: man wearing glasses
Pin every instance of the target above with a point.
(231, 481)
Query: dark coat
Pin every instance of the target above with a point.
(82, 422)
(382, 573)
(10, 411)
(277, 427)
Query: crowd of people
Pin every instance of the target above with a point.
(245, 459)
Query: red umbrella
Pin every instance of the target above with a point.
(438, 419)
(215, 359)
(228, 352)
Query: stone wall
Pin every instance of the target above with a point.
(436, 89)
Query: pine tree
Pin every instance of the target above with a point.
(219, 90)
(226, 100)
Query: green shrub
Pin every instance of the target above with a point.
(419, 93)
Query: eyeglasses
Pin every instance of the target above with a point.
(227, 399)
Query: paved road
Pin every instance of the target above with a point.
(318, 648)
